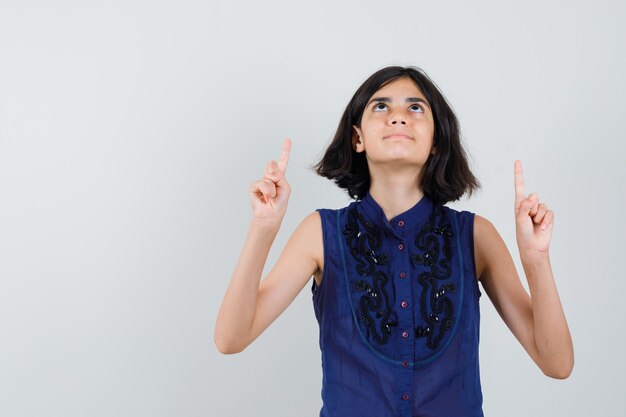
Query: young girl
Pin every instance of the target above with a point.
(396, 272)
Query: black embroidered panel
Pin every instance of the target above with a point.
(373, 306)
(436, 285)
(439, 297)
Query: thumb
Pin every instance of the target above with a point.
(526, 206)
(270, 167)
(274, 173)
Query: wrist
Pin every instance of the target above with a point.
(535, 259)
(265, 225)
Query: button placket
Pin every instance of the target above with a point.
(406, 298)
(405, 313)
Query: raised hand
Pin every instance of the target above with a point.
(269, 195)
(533, 220)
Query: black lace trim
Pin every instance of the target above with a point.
(436, 308)
(374, 308)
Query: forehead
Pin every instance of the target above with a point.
(400, 88)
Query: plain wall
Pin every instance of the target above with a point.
(130, 131)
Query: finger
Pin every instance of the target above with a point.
(283, 160)
(279, 180)
(524, 209)
(548, 221)
(541, 212)
(268, 188)
(535, 200)
(273, 173)
(519, 184)
(262, 188)
(259, 188)
(271, 169)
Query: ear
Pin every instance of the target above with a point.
(357, 145)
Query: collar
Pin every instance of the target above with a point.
(402, 223)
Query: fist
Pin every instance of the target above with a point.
(270, 194)
(533, 219)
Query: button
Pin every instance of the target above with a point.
(401, 223)
(405, 364)
(402, 275)
(406, 397)
(405, 334)
(400, 246)
(404, 304)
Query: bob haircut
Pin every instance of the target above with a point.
(446, 175)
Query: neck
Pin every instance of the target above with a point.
(396, 192)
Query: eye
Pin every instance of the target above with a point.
(380, 107)
(417, 108)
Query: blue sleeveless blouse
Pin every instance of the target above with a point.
(398, 312)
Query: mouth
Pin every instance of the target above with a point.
(397, 136)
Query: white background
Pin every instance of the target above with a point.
(130, 130)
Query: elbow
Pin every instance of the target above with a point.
(229, 341)
(228, 350)
(228, 347)
(562, 371)
(559, 374)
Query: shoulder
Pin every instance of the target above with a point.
(317, 227)
(461, 215)
(483, 228)
(462, 220)
(309, 235)
(487, 244)
(310, 227)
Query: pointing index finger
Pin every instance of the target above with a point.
(519, 184)
(284, 156)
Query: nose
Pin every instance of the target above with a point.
(397, 117)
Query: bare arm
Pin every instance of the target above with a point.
(251, 305)
(538, 320)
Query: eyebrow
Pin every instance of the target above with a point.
(388, 100)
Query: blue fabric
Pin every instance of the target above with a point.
(398, 312)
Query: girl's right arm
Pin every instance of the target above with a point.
(249, 307)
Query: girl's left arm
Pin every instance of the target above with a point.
(538, 320)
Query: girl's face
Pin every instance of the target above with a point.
(397, 126)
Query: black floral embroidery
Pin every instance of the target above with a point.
(374, 307)
(436, 307)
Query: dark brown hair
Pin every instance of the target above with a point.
(446, 175)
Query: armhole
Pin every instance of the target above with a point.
(314, 287)
(473, 254)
